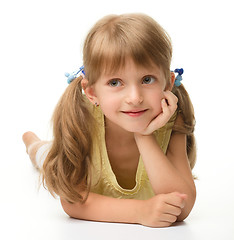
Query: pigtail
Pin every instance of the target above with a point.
(66, 169)
(186, 110)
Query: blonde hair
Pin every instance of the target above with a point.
(107, 46)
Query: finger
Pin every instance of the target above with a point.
(182, 195)
(163, 117)
(166, 110)
(175, 199)
(163, 224)
(170, 96)
(172, 210)
(168, 218)
(172, 100)
(164, 106)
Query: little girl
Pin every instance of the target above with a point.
(123, 146)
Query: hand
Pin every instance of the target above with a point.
(162, 210)
(169, 106)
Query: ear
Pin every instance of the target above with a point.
(172, 82)
(89, 91)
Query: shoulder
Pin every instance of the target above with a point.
(163, 134)
(178, 121)
(177, 143)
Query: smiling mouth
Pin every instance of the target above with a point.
(135, 113)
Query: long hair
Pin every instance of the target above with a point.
(111, 41)
(186, 110)
(66, 167)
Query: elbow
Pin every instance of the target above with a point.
(67, 207)
(193, 197)
(73, 210)
(189, 206)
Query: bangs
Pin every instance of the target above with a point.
(112, 53)
(121, 38)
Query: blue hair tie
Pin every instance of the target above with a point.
(178, 79)
(73, 75)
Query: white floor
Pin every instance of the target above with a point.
(29, 213)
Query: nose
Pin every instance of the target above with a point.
(134, 96)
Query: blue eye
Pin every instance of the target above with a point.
(148, 80)
(114, 83)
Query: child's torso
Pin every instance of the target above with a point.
(117, 170)
(124, 162)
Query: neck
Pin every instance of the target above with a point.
(117, 133)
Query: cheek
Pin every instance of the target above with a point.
(155, 99)
(108, 104)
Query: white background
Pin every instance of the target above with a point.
(40, 40)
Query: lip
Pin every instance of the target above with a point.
(135, 112)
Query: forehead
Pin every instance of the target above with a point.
(134, 68)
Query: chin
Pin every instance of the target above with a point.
(134, 129)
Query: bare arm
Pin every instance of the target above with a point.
(171, 172)
(101, 208)
(168, 173)
(177, 155)
(159, 211)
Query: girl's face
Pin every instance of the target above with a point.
(131, 98)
